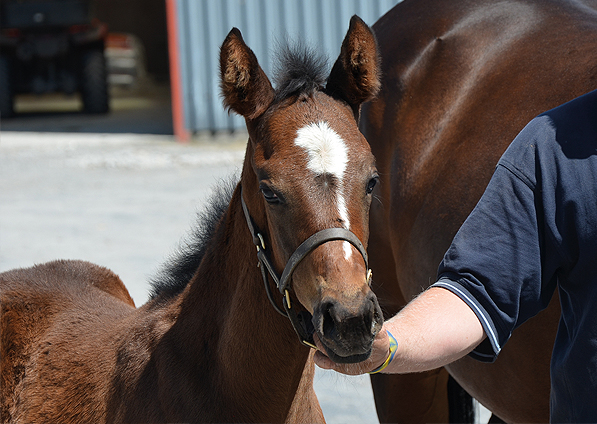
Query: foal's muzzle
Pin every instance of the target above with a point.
(347, 332)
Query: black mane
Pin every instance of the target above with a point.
(178, 270)
(299, 70)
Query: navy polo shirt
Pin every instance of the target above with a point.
(535, 229)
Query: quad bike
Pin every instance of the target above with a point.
(52, 46)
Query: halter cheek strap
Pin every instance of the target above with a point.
(301, 321)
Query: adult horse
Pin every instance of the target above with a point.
(459, 81)
(209, 346)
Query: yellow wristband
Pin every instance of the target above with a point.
(393, 348)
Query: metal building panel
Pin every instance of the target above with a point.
(265, 25)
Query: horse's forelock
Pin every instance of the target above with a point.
(299, 70)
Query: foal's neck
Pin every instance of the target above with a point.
(256, 357)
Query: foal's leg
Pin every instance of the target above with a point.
(305, 406)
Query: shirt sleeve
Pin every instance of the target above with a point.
(494, 262)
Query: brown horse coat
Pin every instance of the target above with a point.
(460, 80)
(35, 331)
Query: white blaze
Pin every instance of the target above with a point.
(328, 154)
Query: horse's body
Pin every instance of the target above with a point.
(460, 80)
(209, 346)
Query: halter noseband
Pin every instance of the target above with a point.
(301, 321)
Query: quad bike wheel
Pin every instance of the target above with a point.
(94, 83)
(6, 89)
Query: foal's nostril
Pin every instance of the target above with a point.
(336, 320)
(328, 326)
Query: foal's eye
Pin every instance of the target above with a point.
(371, 184)
(269, 195)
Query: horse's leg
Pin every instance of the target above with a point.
(460, 403)
(305, 406)
(411, 398)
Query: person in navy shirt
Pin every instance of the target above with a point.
(534, 229)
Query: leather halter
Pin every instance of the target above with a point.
(301, 321)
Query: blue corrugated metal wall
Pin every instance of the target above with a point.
(203, 25)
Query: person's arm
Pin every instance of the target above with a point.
(433, 330)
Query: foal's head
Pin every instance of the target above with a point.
(308, 168)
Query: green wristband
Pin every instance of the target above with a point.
(393, 348)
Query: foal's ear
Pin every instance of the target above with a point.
(245, 87)
(355, 77)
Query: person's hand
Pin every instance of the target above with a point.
(379, 353)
